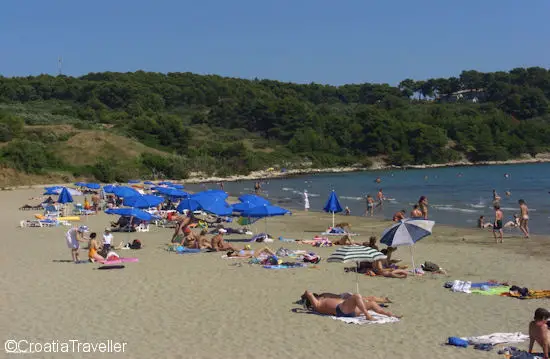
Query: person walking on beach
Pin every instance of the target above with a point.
(73, 237)
(370, 206)
(306, 201)
(380, 197)
(523, 218)
(497, 226)
(423, 206)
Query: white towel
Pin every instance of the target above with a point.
(461, 286)
(498, 338)
(378, 319)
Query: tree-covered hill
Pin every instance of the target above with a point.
(228, 125)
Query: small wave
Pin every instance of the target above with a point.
(314, 195)
(353, 198)
(477, 205)
(454, 209)
(287, 189)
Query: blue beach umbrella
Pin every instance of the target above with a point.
(80, 184)
(211, 193)
(145, 201)
(165, 183)
(189, 204)
(171, 192)
(125, 192)
(92, 185)
(244, 206)
(65, 196)
(252, 198)
(332, 205)
(131, 212)
(134, 181)
(406, 233)
(264, 211)
(148, 182)
(215, 205)
(110, 188)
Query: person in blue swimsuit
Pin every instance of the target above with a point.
(352, 306)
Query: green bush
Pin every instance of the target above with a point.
(29, 156)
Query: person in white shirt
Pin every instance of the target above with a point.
(107, 238)
(306, 201)
(73, 237)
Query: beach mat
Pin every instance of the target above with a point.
(119, 261)
(378, 319)
(492, 290)
(283, 266)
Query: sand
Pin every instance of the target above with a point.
(202, 306)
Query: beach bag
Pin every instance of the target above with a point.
(136, 244)
(430, 267)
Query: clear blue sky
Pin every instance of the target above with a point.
(321, 41)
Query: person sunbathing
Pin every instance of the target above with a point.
(380, 300)
(190, 239)
(345, 240)
(218, 244)
(378, 269)
(249, 253)
(538, 331)
(203, 242)
(352, 306)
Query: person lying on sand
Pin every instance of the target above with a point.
(352, 306)
(218, 244)
(481, 223)
(249, 253)
(380, 300)
(538, 331)
(345, 240)
(512, 224)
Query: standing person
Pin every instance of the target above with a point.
(416, 212)
(107, 238)
(306, 201)
(257, 187)
(423, 206)
(523, 218)
(380, 197)
(370, 206)
(221, 186)
(496, 197)
(497, 226)
(73, 237)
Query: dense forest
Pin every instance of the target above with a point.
(224, 125)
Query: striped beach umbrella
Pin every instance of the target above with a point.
(355, 254)
(406, 233)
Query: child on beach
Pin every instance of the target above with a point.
(497, 226)
(73, 237)
(370, 206)
(538, 331)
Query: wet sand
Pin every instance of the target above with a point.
(203, 306)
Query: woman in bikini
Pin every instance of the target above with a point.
(524, 218)
(352, 306)
(423, 205)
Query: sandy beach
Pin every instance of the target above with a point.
(202, 306)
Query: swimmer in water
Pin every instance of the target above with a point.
(381, 198)
(496, 197)
(378, 180)
(370, 206)
(506, 175)
(508, 194)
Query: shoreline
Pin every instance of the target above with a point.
(376, 166)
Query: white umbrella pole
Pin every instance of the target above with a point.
(412, 260)
(332, 219)
(357, 279)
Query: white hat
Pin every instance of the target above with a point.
(83, 229)
(107, 229)
(221, 230)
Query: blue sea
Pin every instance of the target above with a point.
(457, 195)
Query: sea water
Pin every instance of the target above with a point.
(456, 195)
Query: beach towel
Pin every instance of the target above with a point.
(339, 234)
(378, 319)
(533, 294)
(492, 290)
(461, 286)
(120, 260)
(498, 338)
(285, 266)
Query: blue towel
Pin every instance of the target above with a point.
(457, 342)
(488, 284)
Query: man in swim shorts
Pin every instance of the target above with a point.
(497, 226)
(350, 307)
